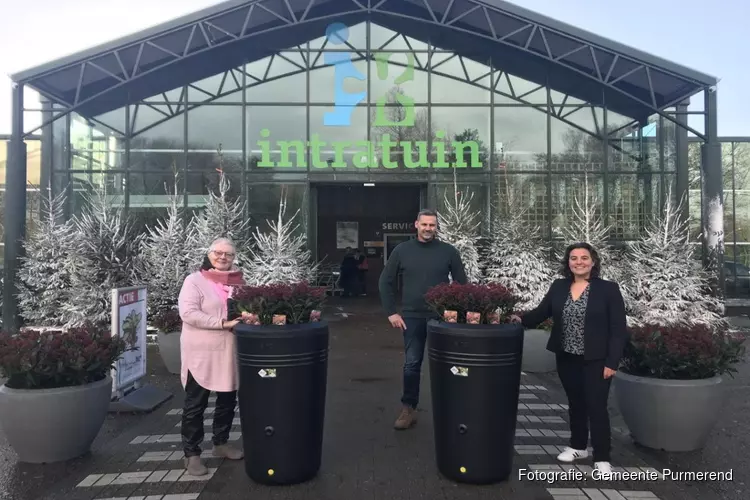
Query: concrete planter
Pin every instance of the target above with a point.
(536, 357)
(669, 415)
(54, 425)
(169, 350)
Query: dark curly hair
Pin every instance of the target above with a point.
(565, 266)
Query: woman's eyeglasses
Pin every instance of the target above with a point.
(228, 255)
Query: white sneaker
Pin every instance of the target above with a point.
(603, 467)
(569, 454)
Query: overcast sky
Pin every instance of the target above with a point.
(694, 33)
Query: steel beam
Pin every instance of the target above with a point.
(713, 198)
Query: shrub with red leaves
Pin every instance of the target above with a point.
(46, 359)
(484, 299)
(294, 300)
(167, 321)
(681, 352)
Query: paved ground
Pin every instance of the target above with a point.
(138, 456)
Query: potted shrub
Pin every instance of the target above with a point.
(283, 361)
(58, 391)
(670, 386)
(169, 327)
(475, 357)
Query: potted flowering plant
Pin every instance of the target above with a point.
(169, 327)
(282, 349)
(669, 386)
(471, 303)
(58, 391)
(475, 354)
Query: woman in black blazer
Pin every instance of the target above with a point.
(588, 336)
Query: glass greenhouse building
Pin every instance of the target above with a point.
(357, 110)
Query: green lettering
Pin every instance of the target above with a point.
(440, 151)
(285, 147)
(423, 160)
(340, 146)
(386, 143)
(265, 150)
(315, 145)
(366, 158)
(458, 148)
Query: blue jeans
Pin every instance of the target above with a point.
(415, 337)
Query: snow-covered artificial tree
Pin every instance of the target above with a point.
(671, 287)
(587, 225)
(517, 257)
(279, 255)
(222, 217)
(165, 258)
(44, 276)
(104, 256)
(459, 225)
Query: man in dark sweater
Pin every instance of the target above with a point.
(423, 263)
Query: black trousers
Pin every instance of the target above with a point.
(196, 401)
(587, 391)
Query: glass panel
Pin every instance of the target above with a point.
(457, 79)
(339, 148)
(200, 184)
(397, 70)
(214, 139)
(469, 126)
(566, 189)
(323, 80)
(84, 184)
(632, 198)
(574, 148)
(624, 149)
(396, 130)
(290, 88)
(510, 89)
(477, 192)
(694, 189)
(277, 137)
(263, 202)
(94, 147)
(520, 139)
(526, 193)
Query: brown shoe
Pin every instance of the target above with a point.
(195, 467)
(406, 419)
(226, 451)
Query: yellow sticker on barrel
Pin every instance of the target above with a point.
(460, 371)
(267, 372)
(270, 472)
(463, 470)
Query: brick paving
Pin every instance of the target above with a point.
(363, 456)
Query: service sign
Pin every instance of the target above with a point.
(129, 322)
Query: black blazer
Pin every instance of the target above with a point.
(605, 331)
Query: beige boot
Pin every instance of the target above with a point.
(226, 451)
(195, 467)
(406, 419)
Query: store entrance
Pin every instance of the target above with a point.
(373, 219)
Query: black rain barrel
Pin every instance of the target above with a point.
(475, 377)
(283, 372)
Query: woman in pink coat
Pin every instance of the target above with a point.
(209, 360)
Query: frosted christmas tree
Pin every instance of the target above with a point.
(221, 218)
(587, 225)
(165, 257)
(671, 287)
(105, 256)
(279, 255)
(44, 276)
(517, 258)
(458, 225)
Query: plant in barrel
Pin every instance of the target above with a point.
(282, 352)
(475, 356)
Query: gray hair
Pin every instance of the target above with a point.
(219, 241)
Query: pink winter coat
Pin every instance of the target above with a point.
(207, 351)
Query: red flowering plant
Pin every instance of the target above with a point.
(279, 304)
(471, 303)
(682, 352)
(167, 320)
(54, 358)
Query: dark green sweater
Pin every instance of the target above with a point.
(422, 265)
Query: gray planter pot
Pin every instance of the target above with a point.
(169, 350)
(669, 415)
(536, 357)
(54, 425)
